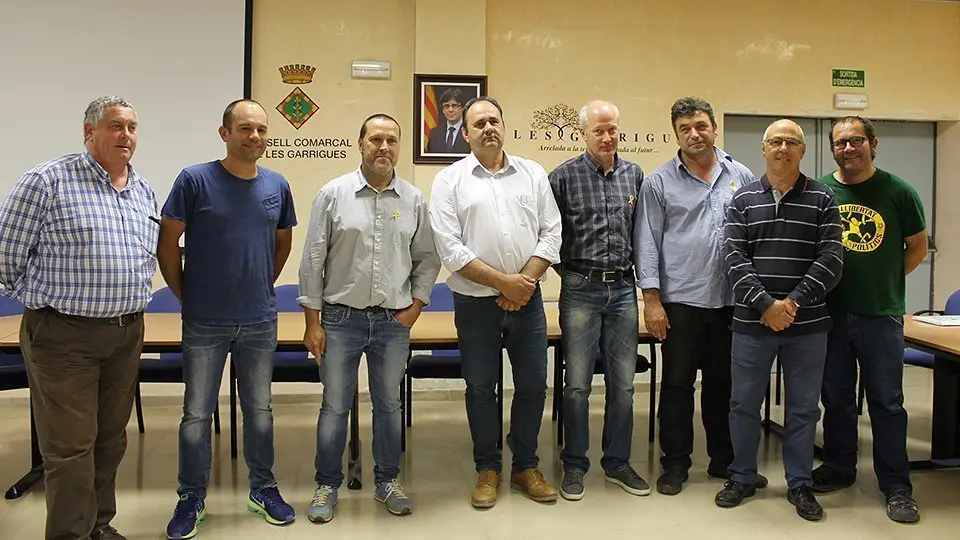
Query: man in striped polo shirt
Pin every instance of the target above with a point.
(783, 253)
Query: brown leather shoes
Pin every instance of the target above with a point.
(485, 491)
(531, 482)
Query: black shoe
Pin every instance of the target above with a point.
(826, 479)
(807, 506)
(724, 474)
(902, 508)
(733, 493)
(671, 482)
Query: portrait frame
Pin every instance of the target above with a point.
(428, 113)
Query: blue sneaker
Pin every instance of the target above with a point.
(324, 501)
(188, 514)
(392, 495)
(268, 503)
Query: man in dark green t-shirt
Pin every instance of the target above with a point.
(884, 239)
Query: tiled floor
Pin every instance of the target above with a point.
(438, 472)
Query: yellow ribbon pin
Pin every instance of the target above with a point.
(396, 215)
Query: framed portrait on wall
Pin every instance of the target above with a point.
(438, 110)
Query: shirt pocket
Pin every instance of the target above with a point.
(528, 211)
(271, 207)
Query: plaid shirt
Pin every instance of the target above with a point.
(597, 211)
(69, 240)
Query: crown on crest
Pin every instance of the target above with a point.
(297, 73)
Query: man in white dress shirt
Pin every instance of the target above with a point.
(497, 230)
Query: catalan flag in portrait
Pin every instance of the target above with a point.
(431, 113)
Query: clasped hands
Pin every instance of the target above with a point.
(515, 291)
(780, 315)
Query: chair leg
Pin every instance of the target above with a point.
(409, 405)
(139, 404)
(233, 411)
(779, 382)
(653, 393)
(500, 403)
(557, 385)
(216, 418)
(354, 464)
(766, 411)
(861, 393)
(403, 425)
(558, 358)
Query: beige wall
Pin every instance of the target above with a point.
(743, 56)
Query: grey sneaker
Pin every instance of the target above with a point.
(571, 488)
(321, 507)
(392, 495)
(629, 480)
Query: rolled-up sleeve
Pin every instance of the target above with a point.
(447, 233)
(423, 254)
(550, 232)
(314, 258)
(648, 233)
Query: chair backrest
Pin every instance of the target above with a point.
(163, 301)
(953, 304)
(287, 302)
(9, 306)
(287, 298)
(441, 299)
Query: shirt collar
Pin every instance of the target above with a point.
(724, 159)
(801, 182)
(473, 164)
(361, 182)
(103, 176)
(593, 165)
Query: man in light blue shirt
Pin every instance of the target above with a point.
(687, 300)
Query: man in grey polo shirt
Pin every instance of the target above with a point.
(369, 264)
(687, 299)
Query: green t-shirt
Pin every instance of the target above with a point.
(877, 215)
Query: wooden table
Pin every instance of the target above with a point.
(433, 330)
(943, 342)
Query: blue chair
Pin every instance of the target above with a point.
(441, 364)
(913, 357)
(13, 371)
(169, 368)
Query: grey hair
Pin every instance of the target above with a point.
(586, 107)
(766, 132)
(96, 108)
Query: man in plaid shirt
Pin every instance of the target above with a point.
(78, 241)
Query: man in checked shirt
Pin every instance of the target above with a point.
(596, 193)
(78, 240)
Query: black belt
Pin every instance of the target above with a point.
(603, 276)
(121, 320)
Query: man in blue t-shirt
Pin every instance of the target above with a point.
(238, 221)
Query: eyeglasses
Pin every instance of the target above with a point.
(452, 106)
(777, 142)
(855, 142)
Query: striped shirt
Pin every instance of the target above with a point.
(71, 241)
(598, 211)
(783, 246)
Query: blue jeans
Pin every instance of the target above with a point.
(386, 342)
(596, 315)
(877, 343)
(252, 349)
(802, 358)
(484, 330)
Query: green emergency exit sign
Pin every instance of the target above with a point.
(848, 77)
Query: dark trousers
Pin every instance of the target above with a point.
(483, 330)
(83, 378)
(876, 343)
(698, 338)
